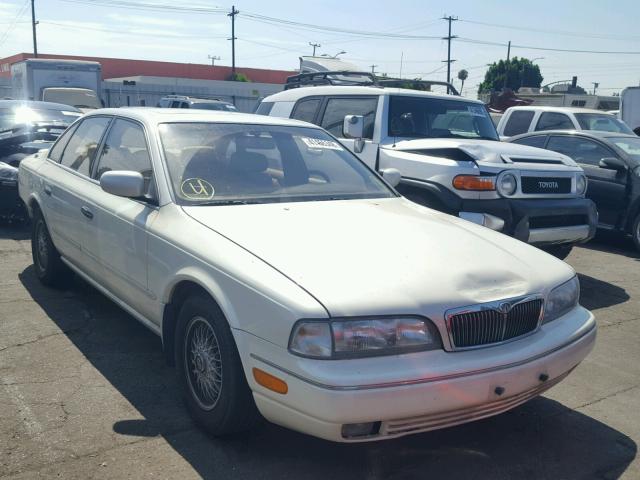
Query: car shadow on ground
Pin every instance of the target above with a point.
(595, 293)
(14, 230)
(613, 242)
(541, 439)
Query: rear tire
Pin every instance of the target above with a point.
(50, 269)
(210, 371)
(558, 251)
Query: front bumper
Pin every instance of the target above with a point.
(539, 221)
(416, 392)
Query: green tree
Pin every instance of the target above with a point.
(519, 72)
(239, 77)
(462, 76)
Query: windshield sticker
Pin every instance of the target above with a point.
(197, 189)
(477, 111)
(318, 143)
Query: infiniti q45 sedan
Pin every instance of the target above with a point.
(288, 281)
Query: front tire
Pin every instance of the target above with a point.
(559, 251)
(210, 370)
(635, 232)
(50, 269)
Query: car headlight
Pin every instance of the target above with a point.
(344, 338)
(507, 184)
(561, 299)
(581, 184)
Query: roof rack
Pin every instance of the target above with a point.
(361, 79)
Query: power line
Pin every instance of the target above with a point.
(554, 32)
(149, 6)
(528, 47)
(123, 32)
(13, 24)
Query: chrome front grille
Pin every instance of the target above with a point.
(494, 322)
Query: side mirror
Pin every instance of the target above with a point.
(123, 183)
(353, 126)
(392, 176)
(613, 163)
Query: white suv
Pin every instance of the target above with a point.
(518, 120)
(449, 156)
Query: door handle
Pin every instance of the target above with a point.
(47, 190)
(87, 213)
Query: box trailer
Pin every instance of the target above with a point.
(71, 82)
(630, 108)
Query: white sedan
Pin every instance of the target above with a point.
(289, 281)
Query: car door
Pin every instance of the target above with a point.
(517, 123)
(117, 239)
(66, 181)
(607, 187)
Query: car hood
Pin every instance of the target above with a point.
(485, 151)
(387, 256)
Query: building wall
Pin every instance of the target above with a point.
(120, 67)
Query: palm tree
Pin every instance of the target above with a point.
(462, 76)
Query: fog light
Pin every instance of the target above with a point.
(354, 430)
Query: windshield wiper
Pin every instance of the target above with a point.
(225, 202)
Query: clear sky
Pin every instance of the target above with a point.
(90, 27)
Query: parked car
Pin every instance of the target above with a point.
(25, 128)
(287, 278)
(179, 101)
(612, 164)
(447, 151)
(518, 120)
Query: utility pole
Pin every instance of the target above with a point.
(213, 59)
(595, 86)
(33, 26)
(233, 39)
(448, 38)
(314, 45)
(506, 66)
(373, 69)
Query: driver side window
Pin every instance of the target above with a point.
(125, 148)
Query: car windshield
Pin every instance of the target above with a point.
(23, 114)
(424, 117)
(219, 163)
(215, 106)
(631, 146)
(602, 122)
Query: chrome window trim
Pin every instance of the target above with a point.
(492, 306)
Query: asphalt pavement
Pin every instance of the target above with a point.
(85, 393)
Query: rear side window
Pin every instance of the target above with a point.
(264, 108)
(537, 141)
(518, 122)
(82, 146)
(55, 153)
(554, 121)
(338, 108)
(305, 110)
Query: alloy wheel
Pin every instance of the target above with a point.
(203, 363)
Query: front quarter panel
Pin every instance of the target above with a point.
(254, 296)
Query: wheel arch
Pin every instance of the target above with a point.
(183, 286)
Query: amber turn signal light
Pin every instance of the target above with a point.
(269, 381)
(474, 182)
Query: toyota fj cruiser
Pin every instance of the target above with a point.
(448, 153)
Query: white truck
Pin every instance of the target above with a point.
(630, 108)
(70, 82)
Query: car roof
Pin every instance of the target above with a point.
(37, 104)
(544, 108)
(583, 133)
(173, 115)
(187, 98)
(336, 90)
